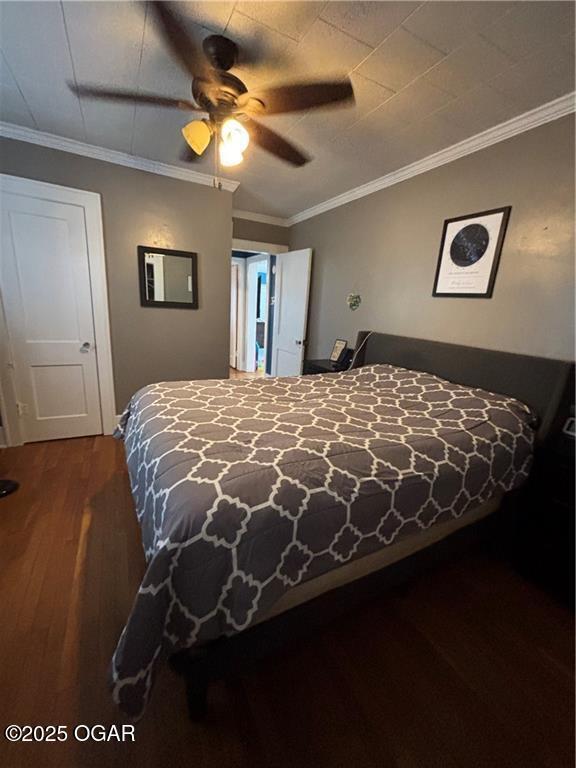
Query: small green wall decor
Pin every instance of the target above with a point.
(353, 300)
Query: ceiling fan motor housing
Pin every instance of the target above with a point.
(219, 99)
(221, 52)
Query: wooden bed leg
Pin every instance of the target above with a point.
(194, 670)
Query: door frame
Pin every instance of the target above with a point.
(92, 204)
(257, 248)
(234, 324)
(240, 313)
(250, 303)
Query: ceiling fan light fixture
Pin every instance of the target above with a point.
(229, 155)
(197, 135)
(234, 135)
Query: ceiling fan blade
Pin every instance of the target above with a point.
(296, 97)
(274, 143)
(105, 94)
(182, 44)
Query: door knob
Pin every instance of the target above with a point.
(85, 347)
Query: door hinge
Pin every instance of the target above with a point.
(21, 408)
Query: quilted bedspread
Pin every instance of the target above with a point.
(245, 488)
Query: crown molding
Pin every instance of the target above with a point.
(545, 113)
(20, 133)
(261, 218)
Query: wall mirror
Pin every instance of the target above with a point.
(168, 278)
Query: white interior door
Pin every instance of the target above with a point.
(45, 283)
(234, 316)
(293, 270)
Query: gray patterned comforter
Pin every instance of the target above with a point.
(246, 488)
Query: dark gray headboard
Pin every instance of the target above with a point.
(539, 382)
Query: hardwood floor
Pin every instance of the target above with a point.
(466, 666)
(236, 374)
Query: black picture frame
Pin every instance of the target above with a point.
(338, 351)
(146, 302)
(471, 218)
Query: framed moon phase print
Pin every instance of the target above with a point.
(469, 254)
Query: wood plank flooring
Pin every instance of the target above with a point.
(467, 666)
(236, 374)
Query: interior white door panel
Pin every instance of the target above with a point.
(293, 270)
(45, 281)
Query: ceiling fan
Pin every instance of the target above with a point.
(229, 107)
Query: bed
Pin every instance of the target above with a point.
(256, 496)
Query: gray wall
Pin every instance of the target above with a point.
(385, 247)
(264, 233)
(150, 344)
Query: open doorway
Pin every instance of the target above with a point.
(249, 311)
(256, 313)
(269, 309)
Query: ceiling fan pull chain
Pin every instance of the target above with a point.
(217, 180)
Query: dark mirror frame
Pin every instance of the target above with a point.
(144, 301)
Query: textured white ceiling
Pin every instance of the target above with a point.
(426, 75)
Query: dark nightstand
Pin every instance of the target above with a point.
(317, 366)
(543, 542)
